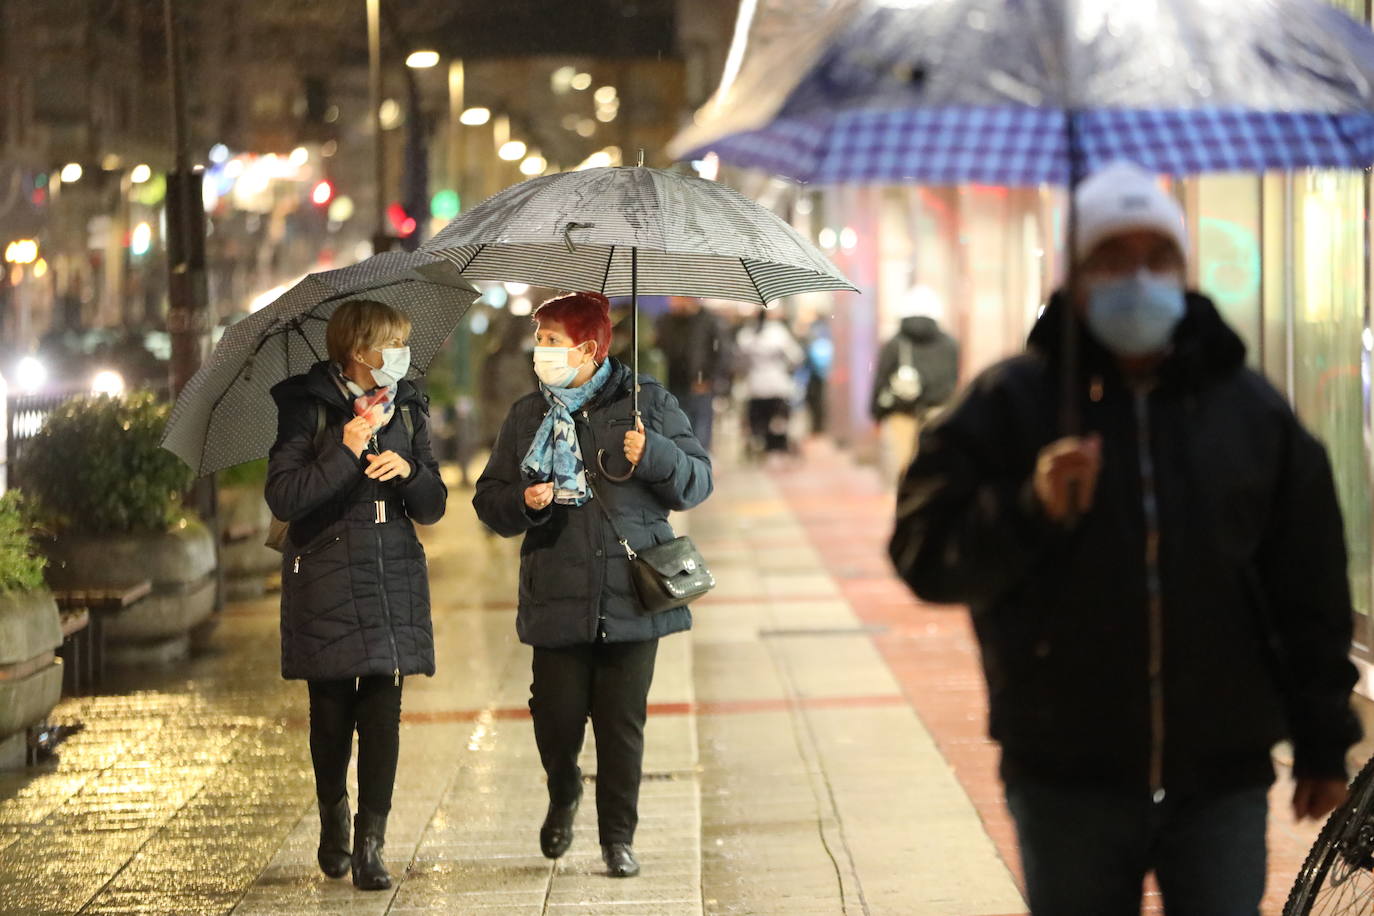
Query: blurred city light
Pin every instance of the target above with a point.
(517, 289)
(40, 269)
(341, 210)
(445, 204)
(111, 162)
(475, 117)
(521, 306)
(848, 238)
(562, 78)
(22, 251)
(30, 375)
(586, 127)
(300, 156)
(606, 115)
(390, 114)
(707, 166)
(496, 296)
(512, 150)
(219, 153)
(324, 191)
(605, 95)
(581, 81)
(422, 60)
(141, 239)
(534, 165)
(140, 174)
(329, 149)
(827, 238)
(71, 172)
(108, 382)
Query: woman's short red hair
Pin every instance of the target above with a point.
(585, 316)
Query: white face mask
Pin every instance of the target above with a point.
(551, 365)
(395, 365)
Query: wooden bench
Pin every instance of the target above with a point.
(83, 646)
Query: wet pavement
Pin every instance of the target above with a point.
(814, 746)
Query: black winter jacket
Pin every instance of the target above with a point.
(355, 593)
(935, 356)
(575, 582)
(1254, 627)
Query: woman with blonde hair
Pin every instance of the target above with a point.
(352, 471)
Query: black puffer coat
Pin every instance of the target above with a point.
(1252, 633)
(574, 577)
(355, 593)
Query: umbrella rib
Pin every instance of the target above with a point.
(750, 274)
(606, 277)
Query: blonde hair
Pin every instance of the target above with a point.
(362, 324)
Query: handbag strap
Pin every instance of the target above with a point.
(596, 498)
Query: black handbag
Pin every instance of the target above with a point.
(667, 575)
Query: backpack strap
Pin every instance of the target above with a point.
(409, 421)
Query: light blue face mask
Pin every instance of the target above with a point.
(1136, 315)
(395, 365)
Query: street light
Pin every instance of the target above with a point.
(475, 117)
(534, 165)
(71, 172)
(422, 60)
(23, 251)
(108, 382)
(512, 150)
(140, 174)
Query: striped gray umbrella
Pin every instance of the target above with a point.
(226, 415)
(626, 231)
(586, 230)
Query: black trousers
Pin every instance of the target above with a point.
(768, 419)
(610, 683)
(372, 705)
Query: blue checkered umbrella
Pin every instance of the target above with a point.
(1024, 92)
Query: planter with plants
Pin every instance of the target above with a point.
(30, 632)
(111, 498)
(244, 519)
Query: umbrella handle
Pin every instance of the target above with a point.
(601, 460)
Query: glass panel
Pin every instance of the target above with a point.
(1276, 280)
(1328, 330)
(1228, 252)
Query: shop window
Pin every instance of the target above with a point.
(1228, 253)
(1328, 326)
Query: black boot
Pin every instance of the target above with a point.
(557, 833)
(333, 854)
(620, 860)
(369, 836)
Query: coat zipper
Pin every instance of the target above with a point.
(296, 565)
(386, 605)
(600, 633)
(1154, 593)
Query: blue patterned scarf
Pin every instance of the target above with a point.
(555, 454)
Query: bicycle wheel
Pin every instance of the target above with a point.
(1338, 877)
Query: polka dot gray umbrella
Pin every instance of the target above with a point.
(626, 231)
(226, 416)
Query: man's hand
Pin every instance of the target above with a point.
(1066, 475)
(1314, 799)
(539, 496)
(386, 466)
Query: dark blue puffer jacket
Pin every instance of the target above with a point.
(355, 592)
(575, 584)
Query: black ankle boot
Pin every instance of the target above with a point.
(557, 833)
(334, 855)
(369, 836)
(620, 860)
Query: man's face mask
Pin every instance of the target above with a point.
(1136, 314)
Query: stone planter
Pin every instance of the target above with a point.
(30, 675)
(179, 562)
(246, 563)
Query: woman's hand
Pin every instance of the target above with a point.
(386, 466)
(356, 434)
(634, 443)
(539, 496)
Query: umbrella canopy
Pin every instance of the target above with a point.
(622, 231)
(226, 414)
(1024, 92)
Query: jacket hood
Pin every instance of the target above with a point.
(1204, 345)
(319, 384)
(920, 328)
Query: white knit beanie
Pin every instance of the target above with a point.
(1122, 197)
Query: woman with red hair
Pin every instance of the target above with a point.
(594, 647)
